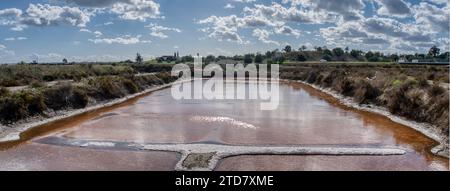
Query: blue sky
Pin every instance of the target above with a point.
(113, 30)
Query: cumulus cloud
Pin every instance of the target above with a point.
(263, 36)
(346, 9)
(286, 30)
(125, 40)
(9, 16)
(159, 31)
(379, 31)
(432, 17)
(223, 28)
(44, 15)
(126, 9)
(137, 10)
(393, 8)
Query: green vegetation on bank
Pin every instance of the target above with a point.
(43, 101)
(27, 74)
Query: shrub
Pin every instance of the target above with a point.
(49, 78)
(109, 88)
(422, 82)
(365, 92)
(12, 109)
(36, 84)
(312, 77)
(4, 92)
(333, 76)
(345, 87)
(79, 98)
(165, 77)
(406, 101)
(436, 90)
(57, 97)
(131, 87)
(438, 112)
(397, 83)
(34, 102)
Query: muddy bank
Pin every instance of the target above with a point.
(413, 93)
(426, 129)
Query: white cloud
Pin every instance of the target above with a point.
(223, 28)
(15, 38)
(125, 40)
(158, 31)
(286, 30)
(379, 31)
(348, 10)
(229, 6)
(44, 15)
(137, 10)
(264, 36)
(5, 51)
(126, 9)
(439, 2)
(432, 17)
(85, 30)
(396, 8)
(47, 15)
(9, 16)
(46, 58)
(96, 33)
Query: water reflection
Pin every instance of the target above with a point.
(304, 116)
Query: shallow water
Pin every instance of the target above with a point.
(305, 116)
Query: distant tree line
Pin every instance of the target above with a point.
(336, 54)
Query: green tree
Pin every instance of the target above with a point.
(338, 52)
(356, 53)
(269, 54)
(301, 58)
(369, 55)
(209, 59)
(288, 48)
(258, 58)
(248, 59)
(303, 48)
(327, 57)
(394, 57)
(139, 59)
(434, 51)
(327, 52)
